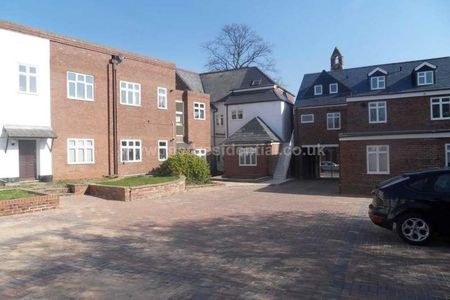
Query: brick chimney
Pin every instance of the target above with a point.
(337, 60)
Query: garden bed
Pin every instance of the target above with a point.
(17, 201)
(137, 187)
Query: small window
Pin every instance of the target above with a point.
(162, 150)
(80, 86)
(219, 120)
(318, 90)
(307, 118)
(199, 111)
(447, 155)
(377, 112)
(442, 184)
(28, 79)
(255, 82)
(440, 108)
(162, 98)
(425, 78)
(334, 121)
(247, 157)
(333, 88)
(130, 93)
(237, 114)
(201, 153)
(80, 151)
(377, 82)
(378, 159)
(131, 150)
(179, 117)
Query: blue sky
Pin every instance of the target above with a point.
(303, 33)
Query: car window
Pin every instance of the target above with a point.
(420, 185)
(442, 184)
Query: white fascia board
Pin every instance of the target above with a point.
(397, 136)
(423, 65)
(395, 96)
(321, 106)
(377, 70)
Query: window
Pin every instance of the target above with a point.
(219, 120)
(237, 114)
(199, 111)
(27, 79)
(247, 157)
(425, 78)
(447, 155)
(201, 153)
(130, 93)
(377, 82)
(440, 108)
(377, 112)
(318, 89)
(307, 118)
(255, 82)
(334, 121)
(80, 86)
(131, 150)
(80, 151)
(162, 98)
(162, 150)
(377, 159)
(333, 88)
(179, 117)
(442, 184)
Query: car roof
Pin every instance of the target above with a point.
(434, 171)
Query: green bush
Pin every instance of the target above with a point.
(195, 169)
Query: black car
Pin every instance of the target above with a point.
(415, 205)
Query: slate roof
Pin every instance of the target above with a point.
(256, 131)
(355, 82)
(24, 131)
(191, 79)
(258, 95)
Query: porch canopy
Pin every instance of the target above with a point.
(27, 132)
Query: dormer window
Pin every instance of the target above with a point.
(425, 78)
(377, 82)
(318, 90)
(333, 88)
(255, 82)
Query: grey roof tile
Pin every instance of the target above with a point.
(256, 131)
(25, 131)
(191, 79)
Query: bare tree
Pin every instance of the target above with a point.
(238, 46)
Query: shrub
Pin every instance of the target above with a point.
(184, 163)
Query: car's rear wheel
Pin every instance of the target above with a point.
(414, 229)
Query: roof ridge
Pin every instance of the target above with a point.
(225, 71)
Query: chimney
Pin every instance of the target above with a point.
(337, 60)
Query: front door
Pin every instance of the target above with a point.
(27, 159)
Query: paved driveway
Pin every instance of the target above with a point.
(251, 242)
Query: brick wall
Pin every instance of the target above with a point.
(197, 131)
(405, 156)
(28, 205)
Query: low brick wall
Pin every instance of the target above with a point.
(135, 193)
(78, 189)
(27, 205)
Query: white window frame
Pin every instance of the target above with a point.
(78, 81)
(378, 80)
(447, 153)
(85, 149)
(237, 114)
(318, 90)
(179, 113)
(28, 75)
(199, 107)
(134, 147)
(377, 106)
(441, 102)
(334, 115)
(219, 120)
(200, 153)
(247, 158)
(166, 147)
(302, 118)
(162, 95)
(333, 85)
(377, 152)
(423, 75)
(135, 92)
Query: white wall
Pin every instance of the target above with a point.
(276, 114)
(19, 108)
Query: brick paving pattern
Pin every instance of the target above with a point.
(295, 241)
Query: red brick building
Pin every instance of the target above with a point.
(373, 122)
(115, 112)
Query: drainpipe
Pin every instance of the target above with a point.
(115, 60)
(214, 111)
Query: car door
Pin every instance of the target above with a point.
(441, 202)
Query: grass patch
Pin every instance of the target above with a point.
(138, 180)
(14, 194)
